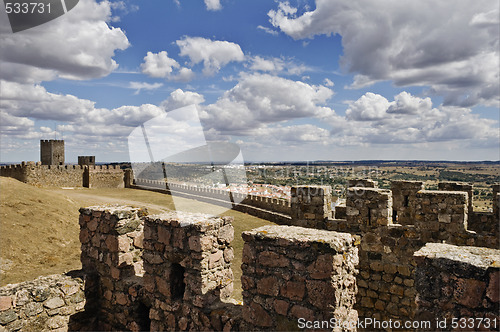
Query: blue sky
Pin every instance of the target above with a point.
(285, 80)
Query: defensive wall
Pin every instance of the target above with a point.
(386, 282)
(458, 287)
(283, 211)
(272, 209)
(173, 272)
(34, 173)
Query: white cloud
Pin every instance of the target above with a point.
(268, 30)
(180, 98)
(405, 103)
(261, 98)
(213, 5)
(328, 82)
(277, 65)
(138, 86)
(369, 107)
(450, 46)
(78, 45)
(372, 119)
(160, 65)
(214, 54)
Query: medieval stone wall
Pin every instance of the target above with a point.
(386, 282)
(292, 273)
(276, 210)
(45, 304)
(186, 280)
(188, 276)
(458, 287)
(65, 175)
(112, 246)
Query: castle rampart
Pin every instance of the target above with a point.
(458, 287)
(292, 273)
(386, 284)
(47, 303)
(34, 173)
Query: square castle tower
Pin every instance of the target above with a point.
(52, 152)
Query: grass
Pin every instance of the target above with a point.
(39, 227)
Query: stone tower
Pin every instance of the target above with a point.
(52, 152)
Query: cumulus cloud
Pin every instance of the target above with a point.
(180, 98)
(214, 54)
(369, 107)
(262, 98)
(450, 46)
(373, 119)
(213, 5)
(22, 104)
(160, 65)
(78, 45)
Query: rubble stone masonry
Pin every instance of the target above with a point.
(44, 304)
(458, 287)
(187, 262)
(292, 273)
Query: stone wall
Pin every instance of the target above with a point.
(386, 284)
(47, 303)
(366, 183)
(188, 276)
(310, 205)
(65, 175)
(403, 200)
(112, 245)
(186, 280)
(458, 287)
(459, 186)
(276, 210)
(292, 273)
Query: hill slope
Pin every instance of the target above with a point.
(38, 232)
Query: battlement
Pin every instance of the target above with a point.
(173, 272)
(51, 141)
(35, 173)
(386, 281)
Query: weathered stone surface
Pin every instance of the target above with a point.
(452, 279)
(53, 303)
(321, 286)
(5, 302)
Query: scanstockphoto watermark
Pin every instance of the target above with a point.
(362, 323)
(311, 170)
(26, 14)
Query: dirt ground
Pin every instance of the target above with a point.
(39, 226)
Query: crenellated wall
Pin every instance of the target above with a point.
(458, 287)
(112, 247)
(403, 200)
(173, 272)
(101, 176)
(188, 276)
(386, 282)
(293, 273)
(310, 205)
(273, 209)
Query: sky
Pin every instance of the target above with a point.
(283, 80)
